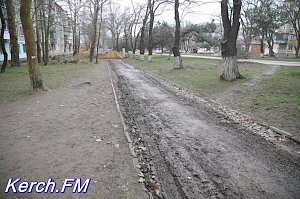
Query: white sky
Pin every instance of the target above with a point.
(202, 13)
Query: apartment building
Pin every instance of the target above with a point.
(60, 35)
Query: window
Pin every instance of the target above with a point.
(24, 48)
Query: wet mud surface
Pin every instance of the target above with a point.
(195, 154)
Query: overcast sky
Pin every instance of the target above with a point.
(202, 13)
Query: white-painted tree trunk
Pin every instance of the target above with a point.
(178, 63)
(150, 58)
(229, 68)
(142, 58)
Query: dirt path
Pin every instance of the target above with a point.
(71, 132)
(195, 154)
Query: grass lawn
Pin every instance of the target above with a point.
(280, 95)
(15, 84)
(198, 75)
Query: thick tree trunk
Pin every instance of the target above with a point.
(178, 61)
(94, 31)
(15, 60)
(150, 45)
(2, 42)
(34, 73)
(229, 68)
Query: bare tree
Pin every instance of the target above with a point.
(96, 8)
(100, 28)
(154, 5)
(176, 48)
(142, 33)
(231, 24)
(34, 73)
(134, 31)
(75, 7)
(114, 23)
(15, 60)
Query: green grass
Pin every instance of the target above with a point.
(199, 75)
(281, 91)
(15, 84)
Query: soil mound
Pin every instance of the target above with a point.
(82, 54)
(111, 55)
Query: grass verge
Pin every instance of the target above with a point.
(280, 95)
(15, 84)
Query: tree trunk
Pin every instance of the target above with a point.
(99, 34)
(98, 45)
(75, 33)
(297, 49)
(94, 30)
(142, 40)
(270, 45)
(262, 47)
(43, 34)
(150, 46)
(37, 31)
(78, 41)
(2, 42)
(117, 41)
(178, 61)
(15, 60)
(229, 68)
(34, 73)
(47, 31)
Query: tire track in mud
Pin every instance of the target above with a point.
(194, 154)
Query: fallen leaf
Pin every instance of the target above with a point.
(143, 148)
(155, 186)
(141, 180)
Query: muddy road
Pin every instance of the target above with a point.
(195, 155)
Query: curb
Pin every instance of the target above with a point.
(129, 141)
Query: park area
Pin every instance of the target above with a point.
(78, 124)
